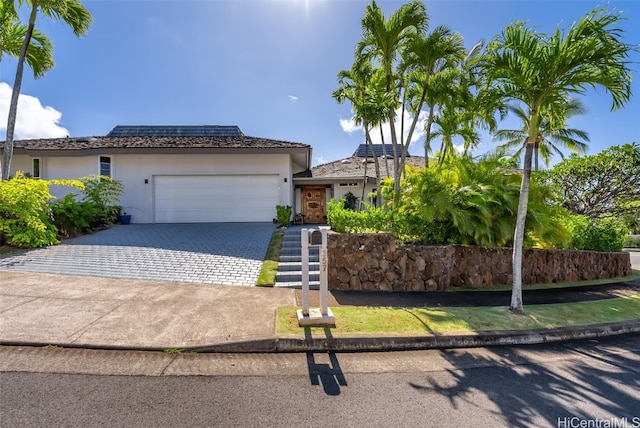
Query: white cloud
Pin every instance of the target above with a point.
(293, 98)
(320, 160)
(33, 120)
(349, 126)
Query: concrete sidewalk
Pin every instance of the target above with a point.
(103, 313)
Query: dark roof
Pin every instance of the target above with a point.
(354, 167)
(364, 150)
(175, 131)
(151, 142)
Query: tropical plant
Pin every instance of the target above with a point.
(371, 220)
(382, 42)
(597, 235)
(25, 214)
(350, 201)
(12, 35)
(460, 202)
(551, 140)
(71, 216)
(283, 215)
(541, 71)
(428, 62)
(71, 12)
(474, 202)
(358, 86)
(104, 193)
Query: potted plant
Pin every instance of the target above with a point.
(125, 218)
(283, 215)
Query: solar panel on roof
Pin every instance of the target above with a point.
(364, 150)
(175, 131)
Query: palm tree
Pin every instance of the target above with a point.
(550, 140)
(358, 86)
(12, 35)
(428, 58)
(71, 12)
(453, 122)
(541, 71)
(382, 43)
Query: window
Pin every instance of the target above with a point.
(105, 166)
(35, 168)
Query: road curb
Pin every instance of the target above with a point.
(292, 344)
(461, 340)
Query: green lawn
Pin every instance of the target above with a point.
(415, 321)
(267, 276)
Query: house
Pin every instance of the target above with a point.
(315, 187)
(176, 174)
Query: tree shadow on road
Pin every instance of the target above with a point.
(566, 380)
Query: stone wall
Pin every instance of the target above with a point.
(376, 262)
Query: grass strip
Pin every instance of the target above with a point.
(416, 321)
(267, 275)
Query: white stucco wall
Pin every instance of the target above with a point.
(133, 170)
(340, 191)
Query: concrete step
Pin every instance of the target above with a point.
(297, 267)
(313, 285)
(296, 277)
(298, 250)
(297, 243)
(290, 264)
(298, 258)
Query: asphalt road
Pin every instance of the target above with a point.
(635, 259)
(542, 386)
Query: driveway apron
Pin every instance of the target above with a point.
(211, 253)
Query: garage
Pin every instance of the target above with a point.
(215, 198)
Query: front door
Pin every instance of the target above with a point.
(313, 204)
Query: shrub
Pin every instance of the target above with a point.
(71, 216)
(632, 241)
(459, 202)
(283, 215)
(104, 193)
(597, 235)
(25, 214)
(350, 201)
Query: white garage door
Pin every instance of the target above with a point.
(215, 198)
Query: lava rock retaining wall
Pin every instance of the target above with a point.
(376, 262)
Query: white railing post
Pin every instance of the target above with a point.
(304, 240)
(315, 316)
(324, 275)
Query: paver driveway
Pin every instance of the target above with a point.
(212, 253)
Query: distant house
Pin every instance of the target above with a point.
(314, 188)
(177, 174)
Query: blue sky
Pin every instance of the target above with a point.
(267, 66)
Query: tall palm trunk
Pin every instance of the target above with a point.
(518, 239)
(364, 178)
(376, 165)
(396, 163)
(427, 137)
(384, 152)
(412, 128)
(15, 94)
